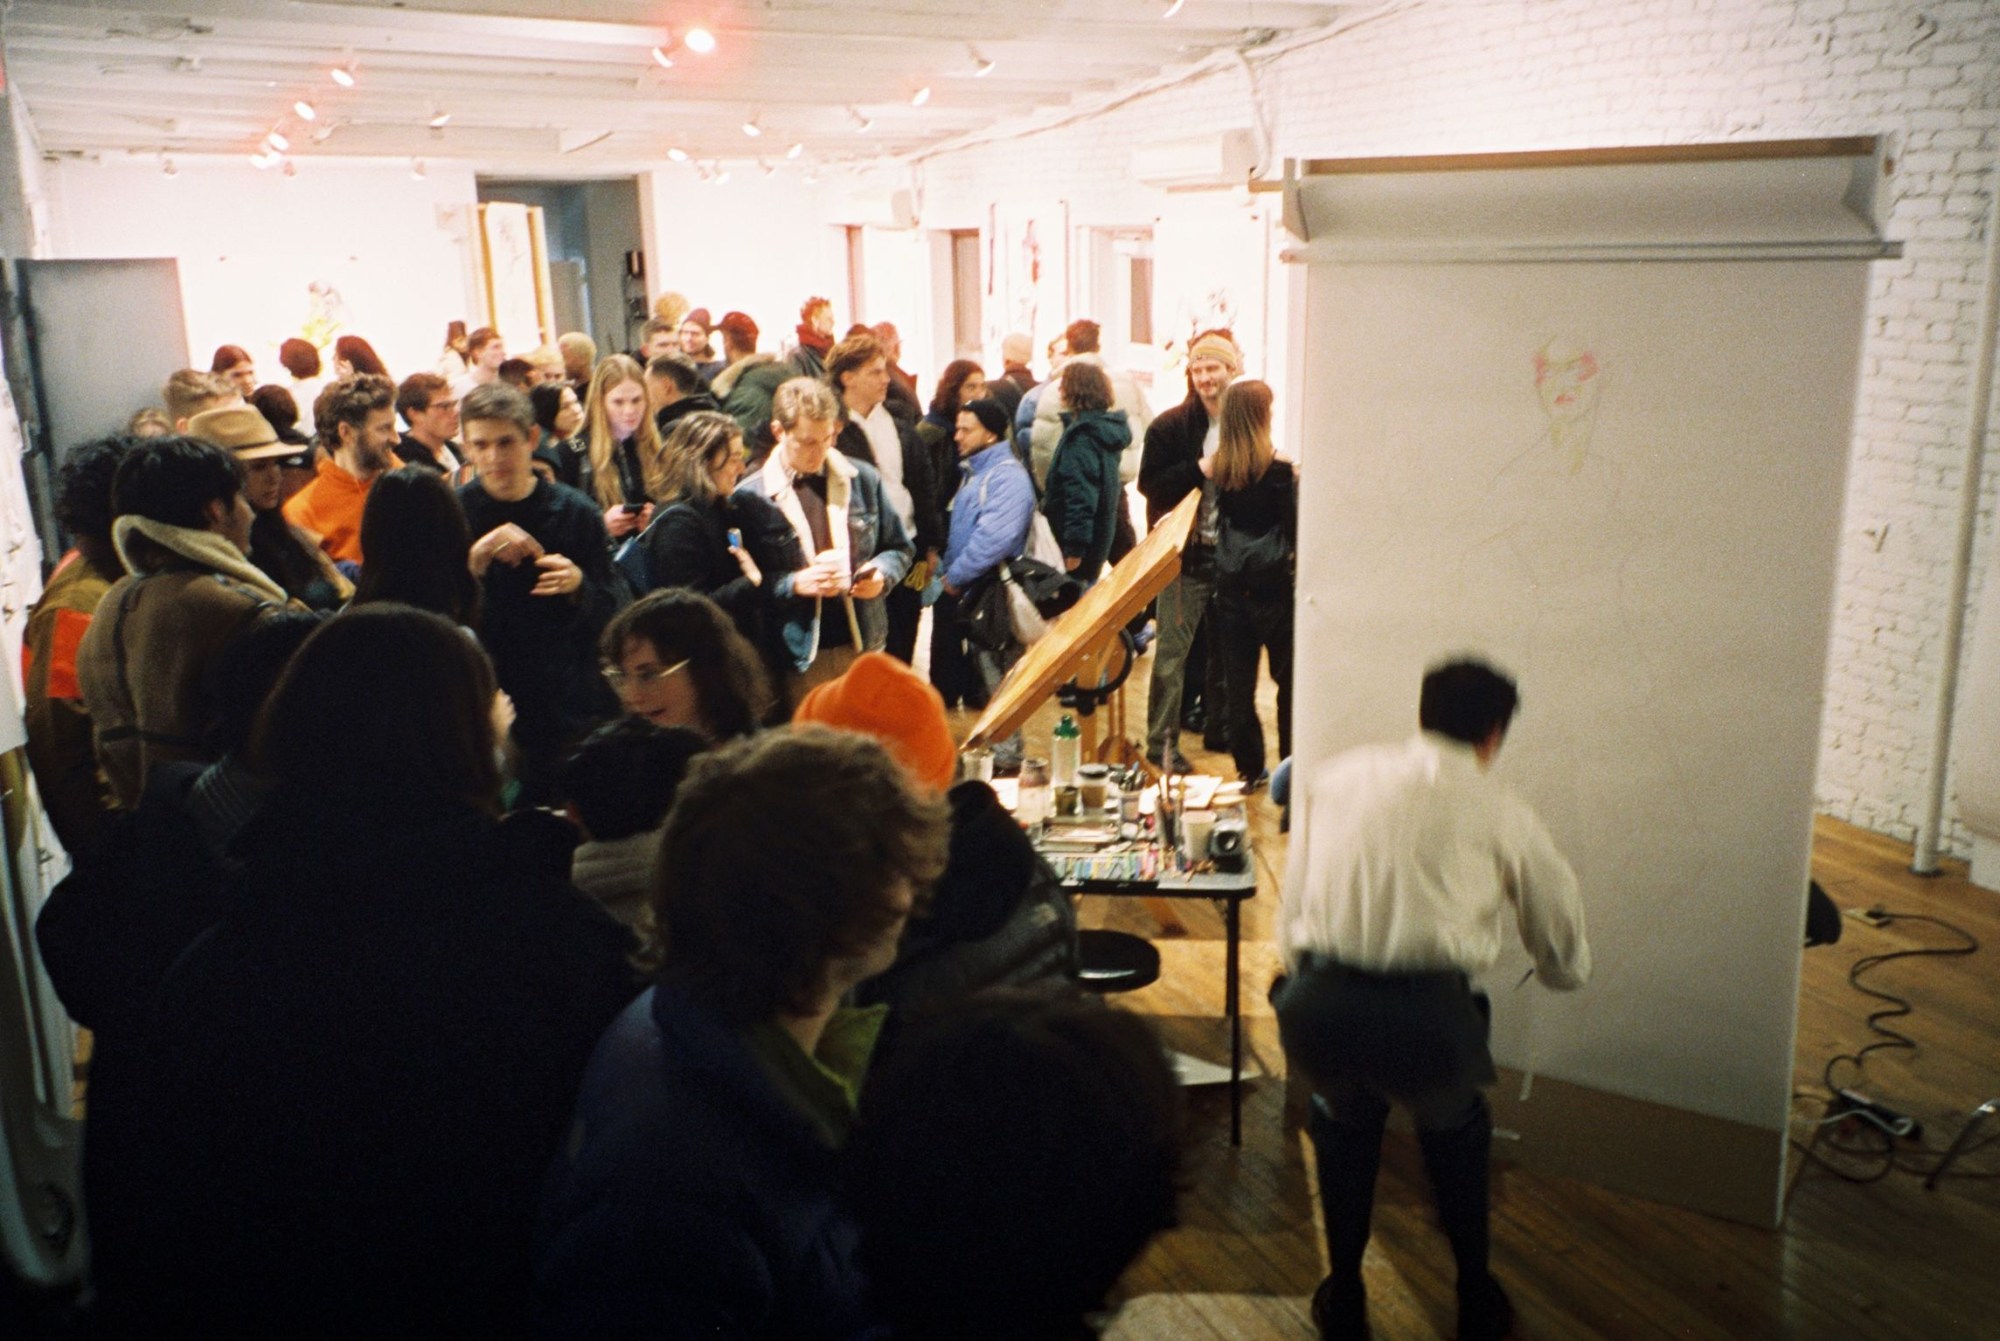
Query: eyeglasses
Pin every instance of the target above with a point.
(620, 680)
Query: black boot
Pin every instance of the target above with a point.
(1348, 1158)
(1459, 1162)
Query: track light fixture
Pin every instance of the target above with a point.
(277, 141)
(752, 129)
(678, 154)
(981, 67)
(439, 120)
(700, 41)
(921, 96)
(305, 110)
(417, 169)
(861, 123)
(795, 150)
(342, 75)
(663, 58)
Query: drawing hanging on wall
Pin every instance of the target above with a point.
(514, 261)
(1027, 282)
(326, 314)
(1568, 382)
(1211, 269)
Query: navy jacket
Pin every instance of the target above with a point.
(692, 1199)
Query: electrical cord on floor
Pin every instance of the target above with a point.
(1862, 1131)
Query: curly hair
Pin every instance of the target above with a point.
(83, 498)
(783, 854)
(729, 678)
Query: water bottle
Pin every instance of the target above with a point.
(1065, 753)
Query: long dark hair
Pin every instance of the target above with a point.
(433, 738)
(951, 382)
(360, 355)
(285, 557)
(415, 542)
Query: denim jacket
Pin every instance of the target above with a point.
(864, 526)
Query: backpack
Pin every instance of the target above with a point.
(1253, 560)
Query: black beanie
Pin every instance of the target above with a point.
(991, 413)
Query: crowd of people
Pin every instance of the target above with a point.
(520, 885)
(507, 829)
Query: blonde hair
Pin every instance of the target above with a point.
(605, 481)
(1243, 452)
(804, 398)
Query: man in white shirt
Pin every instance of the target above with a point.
(858, 371)
(1405, 859)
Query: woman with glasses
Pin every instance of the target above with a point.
(726, 545)
(675, 659)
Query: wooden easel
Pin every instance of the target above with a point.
(1083, 647)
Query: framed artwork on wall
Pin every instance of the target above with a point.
(514, 270)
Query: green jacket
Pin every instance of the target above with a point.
(1084, 493)
(746, 388)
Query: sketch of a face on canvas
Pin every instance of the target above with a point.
(1568, 381)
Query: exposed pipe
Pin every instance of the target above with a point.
(1924, 856)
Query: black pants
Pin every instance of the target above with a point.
(1364, 1039)
(1244, 626)
(905, 606)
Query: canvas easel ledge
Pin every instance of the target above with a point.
(1083, 644)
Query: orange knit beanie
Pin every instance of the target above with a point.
(880, 696)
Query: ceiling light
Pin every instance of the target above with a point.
(921, 96)
(699, 40)
(752, 129)
(1173, 9)
(721, 176)
(305, 110)
(663, 58)
(266, 158)
(678, 154)
(981, 67)
(439, 120)
(861, 123)
(795, 151)
(322, 132)
(277, 141)
(770, 169)
(342, 75)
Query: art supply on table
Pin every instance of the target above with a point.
(975, 764)
(1067, 799)
(1196, 826)
(1065, 752)
(1033, 802)
(1093, 782)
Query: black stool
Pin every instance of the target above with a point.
(1115, 961)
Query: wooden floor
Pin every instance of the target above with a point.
(1881, 1259)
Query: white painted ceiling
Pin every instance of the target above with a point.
(547, 88)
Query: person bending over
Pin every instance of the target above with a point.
(1406, 862)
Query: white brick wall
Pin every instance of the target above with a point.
(1538, 74)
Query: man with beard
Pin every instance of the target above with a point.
(356, 423)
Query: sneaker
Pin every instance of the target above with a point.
(1256, 784)
(1169, 760)
(1340, 1310)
